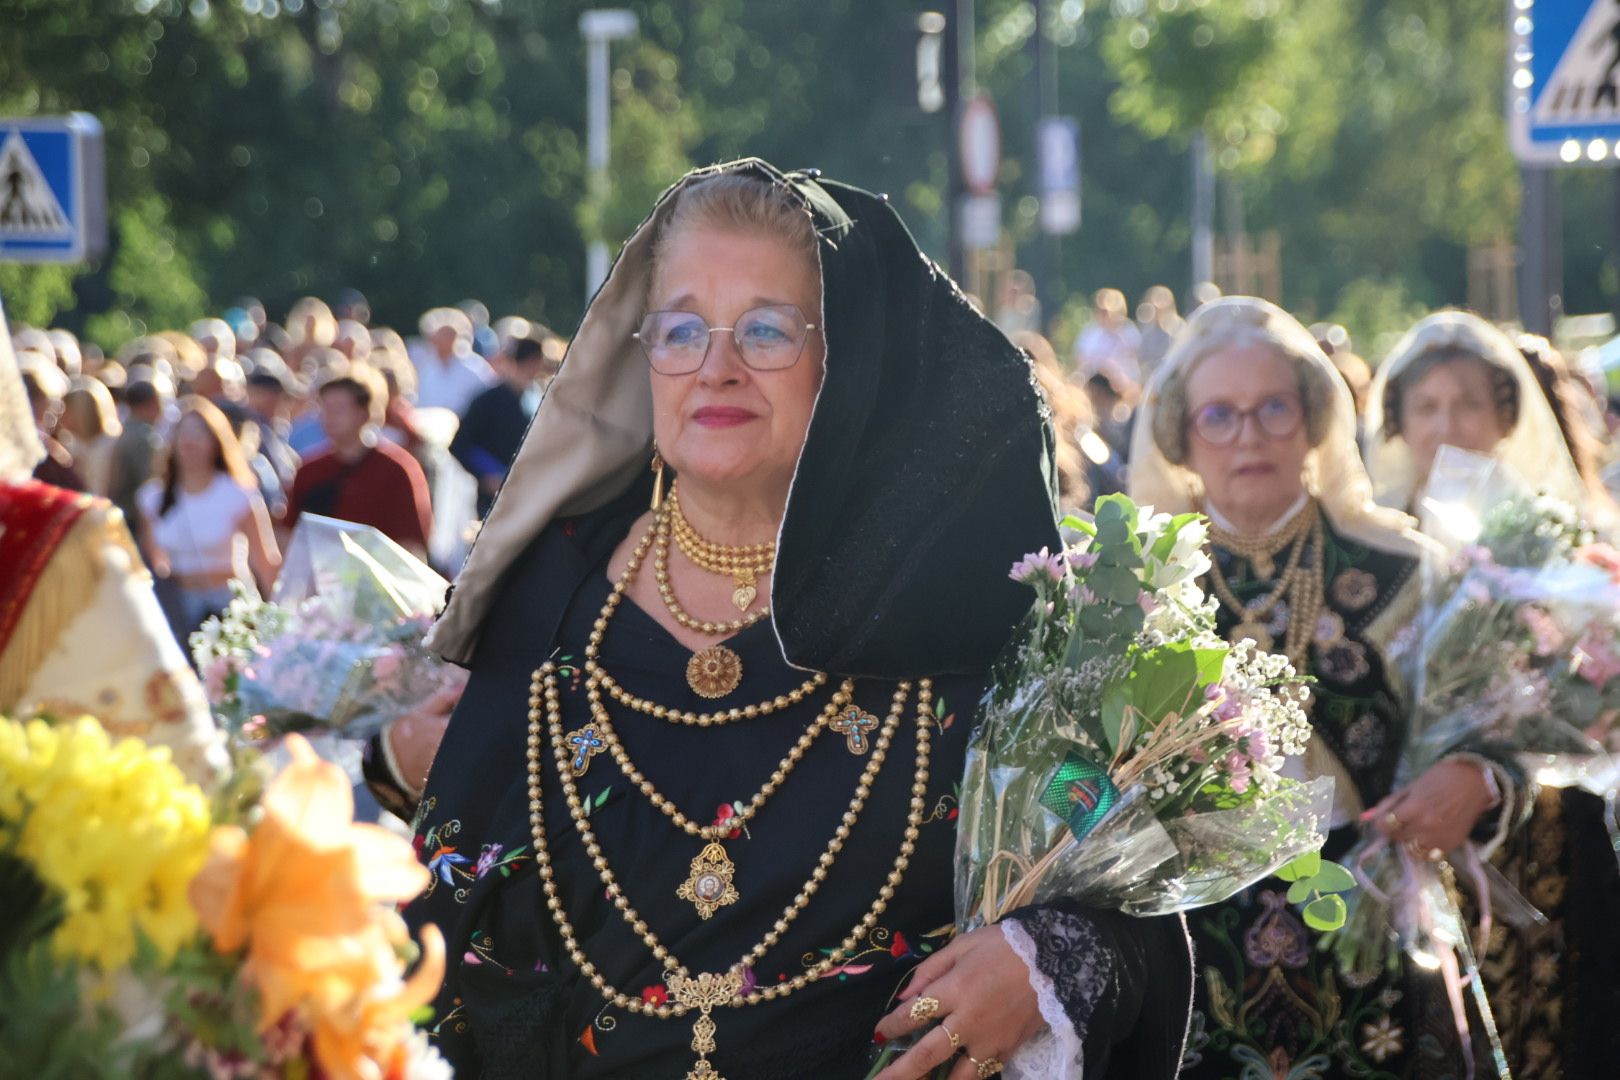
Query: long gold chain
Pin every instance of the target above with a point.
(778, 776)
(708, 990)
(1259, 552)
(1304, 587)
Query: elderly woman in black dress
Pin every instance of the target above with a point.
(728, 623)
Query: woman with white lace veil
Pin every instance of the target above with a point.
(1454, 379)
(1247, 421)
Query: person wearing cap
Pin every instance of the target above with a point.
(492, 427)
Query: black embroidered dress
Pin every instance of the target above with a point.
(925, 473)
(1269, 1001)
(514, 1004)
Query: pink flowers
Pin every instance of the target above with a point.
(1543, 629)
(1038, 566)
(1238, 772)
(1596, 660)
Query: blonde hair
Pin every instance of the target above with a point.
(91, 405)
(735, 202)
(1071, 414)
(325, 328)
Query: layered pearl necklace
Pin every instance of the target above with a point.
(710, 884)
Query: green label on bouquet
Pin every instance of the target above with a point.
(1080, 793)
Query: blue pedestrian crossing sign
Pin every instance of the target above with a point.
(53, 189)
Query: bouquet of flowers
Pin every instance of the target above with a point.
(150, 934)
(1128, 756)
(337, 649)
(1516, 652)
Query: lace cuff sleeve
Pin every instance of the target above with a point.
(1056, 1051)
(1115, 992)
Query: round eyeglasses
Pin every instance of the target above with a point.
(1221, 422)
(768, 338)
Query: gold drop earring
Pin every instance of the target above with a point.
(658, 478)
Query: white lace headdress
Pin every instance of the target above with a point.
(1333, 470)
(1534, 447)
(20, 448)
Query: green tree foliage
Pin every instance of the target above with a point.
(427, 150)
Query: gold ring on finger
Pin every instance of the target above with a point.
(1391, 821)
(956, 1040)
(924, 1008)
(987, 1068)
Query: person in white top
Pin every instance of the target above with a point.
(448, 373)
(204, 522)
(1109, 344)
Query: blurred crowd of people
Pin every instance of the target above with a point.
(1094, 395)
(215, 439)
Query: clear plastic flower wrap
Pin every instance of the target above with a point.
(1514, 656)
(1127, 756)
(337, 651)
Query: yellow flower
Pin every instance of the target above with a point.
(113, 829)
(307, 894)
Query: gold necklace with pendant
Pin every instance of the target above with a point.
(743, 564)
(713, 672)
(710, 886)
(706, 991)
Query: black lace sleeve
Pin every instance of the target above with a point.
(1125, 984)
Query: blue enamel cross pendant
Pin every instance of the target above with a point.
(587, 742)
(854, 725)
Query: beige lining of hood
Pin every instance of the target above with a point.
(591, 437)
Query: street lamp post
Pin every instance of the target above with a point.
(599, 27)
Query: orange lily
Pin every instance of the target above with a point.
(309, 894)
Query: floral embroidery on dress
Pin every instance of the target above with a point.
(495, 857)
(1345, 663)
(1277, 937)
(882, 942)
(1354, 589)
(1329, 629)
(1382, 1040)
(1364, 742)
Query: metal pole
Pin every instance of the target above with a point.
(1541, 252)
(959, 87)
(599, 27)
(1203, 212)
(597, 129)
(1043, 71)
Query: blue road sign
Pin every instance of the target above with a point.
(53, 189)
(1564, 81)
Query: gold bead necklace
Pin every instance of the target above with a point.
(1304, 587)
(709, 990)
(743, 564)
(666, 590)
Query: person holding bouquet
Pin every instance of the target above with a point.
(728, 624)
(1456, 380)
(1247, 421)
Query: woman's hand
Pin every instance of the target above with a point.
(984, 998)
(1438, 810)
(414, 737)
